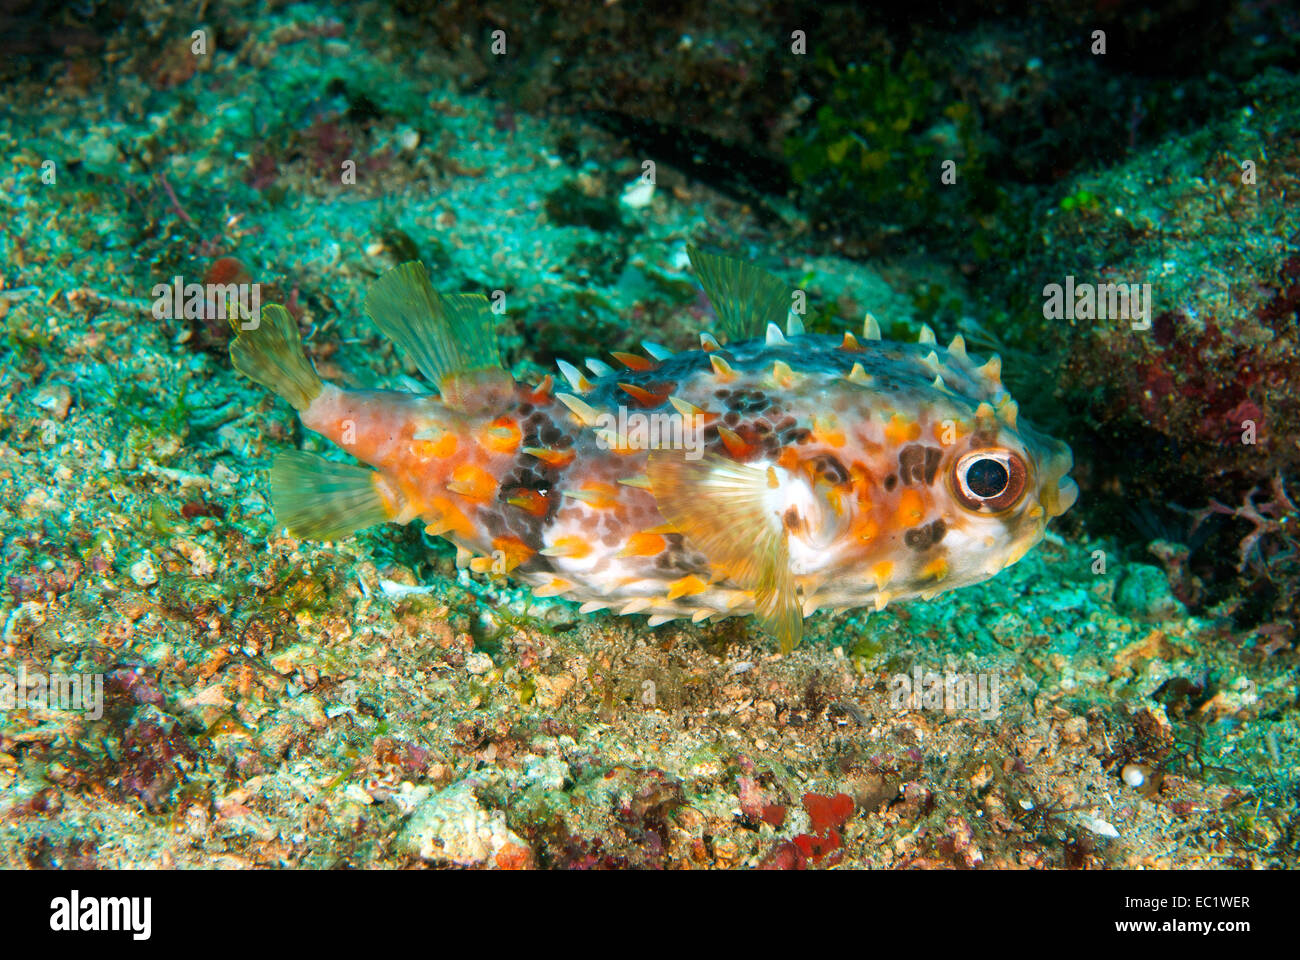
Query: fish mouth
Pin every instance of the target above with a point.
(1056, 500)
(1058, 491)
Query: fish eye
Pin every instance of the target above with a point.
(989, 480)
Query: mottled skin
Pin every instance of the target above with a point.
(862, 470)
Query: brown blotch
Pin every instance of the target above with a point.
(830, 469)
(922, 538)
(918, 463)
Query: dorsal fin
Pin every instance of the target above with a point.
(745, 298)
(726, 509)
(450, 338)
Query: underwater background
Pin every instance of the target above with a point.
(266, 701)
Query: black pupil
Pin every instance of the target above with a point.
(986, 478)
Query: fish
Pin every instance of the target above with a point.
(770, 472)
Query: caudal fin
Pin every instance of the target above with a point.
(271, 354)
(319, 499)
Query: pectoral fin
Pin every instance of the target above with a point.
(728, 511)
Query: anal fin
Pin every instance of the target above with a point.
(776, 603)
(319, 499)
(728, 511)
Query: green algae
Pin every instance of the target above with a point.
(881, 144)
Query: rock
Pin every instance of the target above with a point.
(142, 572)
(1154, 646)
(552, 690)
(637, 194)
(1144, 592)
(54, 398)
(1196, 399)
(549, 772)
(451, 827)
(1074, 730)
(1098, 826)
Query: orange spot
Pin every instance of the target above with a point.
(568, 547)
(825, 432)
(530, 500)
(936, 568)
(473, 483)
(949, 431)
(541, 393)
(595, 494)
(835, 497)
(686, 586)
(911, 509)
(440, 449)
(783, 375)
(386, 494)
(643, 545)
(555, 458)
(500, 436)
(867, 529)
(881, 572)
(788, 460)
(900, 430)
(553, 588)
(861, 478)
(721, 369)
(450, 519)
(513, 550)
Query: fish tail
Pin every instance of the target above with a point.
(319, 499)
(271, 354)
